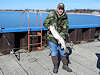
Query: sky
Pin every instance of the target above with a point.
(49, 4)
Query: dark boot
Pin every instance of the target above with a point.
(55, 63)
(55, 69)
(65, 64)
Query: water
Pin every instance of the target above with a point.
(76, 19)
(12, 20)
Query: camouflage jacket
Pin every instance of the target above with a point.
(60, 23)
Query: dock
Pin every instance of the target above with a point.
(84, 60)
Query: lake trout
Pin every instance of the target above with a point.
(59, 38)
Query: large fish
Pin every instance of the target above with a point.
(59, 38)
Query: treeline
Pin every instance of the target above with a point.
(83, 10)
(78, 10)
(50, 10)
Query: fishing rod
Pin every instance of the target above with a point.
(17, 55)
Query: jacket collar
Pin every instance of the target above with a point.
(60, 15)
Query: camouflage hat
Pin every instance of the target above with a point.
(61, 6)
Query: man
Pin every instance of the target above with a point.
(60, 21)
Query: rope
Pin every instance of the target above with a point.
(1, 71)
(22, 67)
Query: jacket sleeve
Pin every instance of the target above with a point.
(47, 21)
(65, 27)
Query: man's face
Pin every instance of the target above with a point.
(60, 11)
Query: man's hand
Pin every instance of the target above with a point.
(48, 28)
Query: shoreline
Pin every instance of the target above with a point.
(35, 11)
(86, 14)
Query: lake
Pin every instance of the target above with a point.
(11, 21)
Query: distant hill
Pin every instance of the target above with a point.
(83, 10)
(50, 10)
